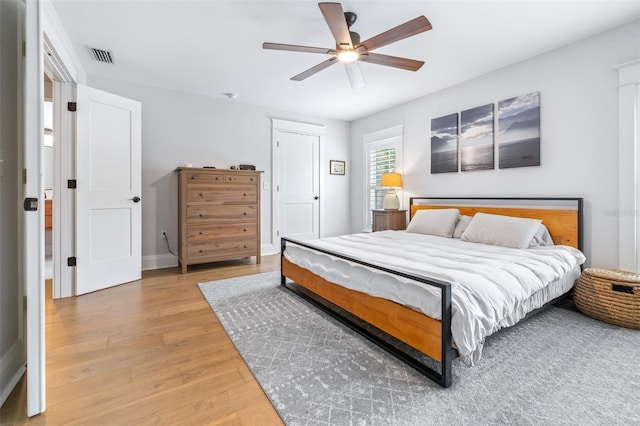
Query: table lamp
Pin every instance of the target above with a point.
(391, 181)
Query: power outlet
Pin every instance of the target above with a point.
(163, 234)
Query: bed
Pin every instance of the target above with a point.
(421, 289)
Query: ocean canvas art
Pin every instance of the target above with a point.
(444, 144)
(476, 138)
(519, 131)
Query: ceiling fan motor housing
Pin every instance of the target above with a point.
(351, 18)
(355, 37)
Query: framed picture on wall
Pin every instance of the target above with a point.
(444, 144)
(476, 138)
(336, 167)
(519, 131)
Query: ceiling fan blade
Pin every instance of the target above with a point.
(334, 15)
(293, 47)
(354, 74)
(408, 29)
(392, 61)
(311, 71)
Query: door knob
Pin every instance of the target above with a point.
(316, 197)
(136, 199)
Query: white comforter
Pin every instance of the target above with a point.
(492, 287)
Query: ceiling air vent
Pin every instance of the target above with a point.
(104, 56)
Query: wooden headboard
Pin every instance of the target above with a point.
(561, 216)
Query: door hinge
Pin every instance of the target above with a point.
(72, 184)
(71, 261)
(24, 176)
(24, 302)
(277, 233)
(30, 204)
(72, 106)
(24, 49)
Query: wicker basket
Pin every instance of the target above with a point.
(610, 296)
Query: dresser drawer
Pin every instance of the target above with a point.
(205, 176)
(221, 194)
(221, 214)
(229, 230)
(222, 249)
(233, 178)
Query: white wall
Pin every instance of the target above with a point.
(12, 356)
(179, 128)
(579, 119)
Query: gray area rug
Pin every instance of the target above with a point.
(558, 367)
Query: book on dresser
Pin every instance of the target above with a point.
(219, 215)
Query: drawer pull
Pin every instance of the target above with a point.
(244, 229)
(201, 194)
(201, 250)
(245, 194)
(217, 177)
(251, 179)
(201, 215)
(245, 246)
(230, 178)
(194, 177)
(245, 213)
(201, 233)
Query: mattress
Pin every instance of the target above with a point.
(492, 287)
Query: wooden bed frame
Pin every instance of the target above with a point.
(561, 216)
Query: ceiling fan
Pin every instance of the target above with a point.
(349, 49)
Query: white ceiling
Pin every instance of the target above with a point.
(210, 47)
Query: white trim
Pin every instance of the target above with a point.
(56, 42)
(279, 125)
(63, 198)
(380, 135)
(629, 162)
(297, 127)
(159, 261)
(167, 260)
(392, 136)
(269, 249)
(12, 367)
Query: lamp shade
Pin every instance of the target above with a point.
(391, 180)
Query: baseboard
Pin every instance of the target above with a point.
(268, 249)
(159, 261)
(13, 365)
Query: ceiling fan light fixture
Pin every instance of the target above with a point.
(348, 56)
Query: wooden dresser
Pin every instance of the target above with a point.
(219, 215)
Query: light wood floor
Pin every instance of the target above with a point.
(147, 352)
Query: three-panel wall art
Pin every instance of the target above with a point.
(466, 141)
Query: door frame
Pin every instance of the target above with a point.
(279, 125)
(62, 66)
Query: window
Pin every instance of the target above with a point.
(383, 154)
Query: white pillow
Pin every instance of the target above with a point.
(542, 238)
(461, 225)
(439, 222)
(500, 230)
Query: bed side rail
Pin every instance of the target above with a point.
(444, 377)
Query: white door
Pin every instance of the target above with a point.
(298, 185)
(108, 172)
(32, 238)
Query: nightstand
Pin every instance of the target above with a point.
(384, 220)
